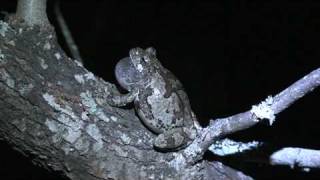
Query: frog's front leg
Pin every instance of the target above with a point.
(175, 138)
(122, 99)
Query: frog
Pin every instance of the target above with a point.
(159, 99)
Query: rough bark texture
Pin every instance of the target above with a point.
(54, 111)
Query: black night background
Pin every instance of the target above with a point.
(229, 55)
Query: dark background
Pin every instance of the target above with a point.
(229, 55)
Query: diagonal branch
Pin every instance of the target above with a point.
(265, 110)
(71, 44)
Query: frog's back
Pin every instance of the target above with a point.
(164, 104)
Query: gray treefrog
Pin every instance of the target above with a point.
(159, 98)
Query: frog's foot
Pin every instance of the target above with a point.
(173, 139)
(123, 99)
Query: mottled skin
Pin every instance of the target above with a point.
(159, 98)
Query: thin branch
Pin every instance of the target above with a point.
(305, 158)
(72, 46)
(266, 109)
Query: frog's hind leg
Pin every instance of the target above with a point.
(172, 139)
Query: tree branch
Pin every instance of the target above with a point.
(33, 12)
(265, 110)
(55, 111)
(300, 157)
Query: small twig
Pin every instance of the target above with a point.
(72, 46)
(305, 158)
(265, 110)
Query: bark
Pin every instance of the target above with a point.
(54, 111)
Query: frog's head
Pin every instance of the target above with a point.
(137, 69)
(143, 61)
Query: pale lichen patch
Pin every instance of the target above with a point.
(43, 63)
(12, 43)
(178, 161)
(52, 125)
(51, 101)
(3, 28)
(7, 78)
(57, 55)
(91, 106)
(97, 146)
(49, 36)
(74, 124)
(67, 129)
(88, 101)
(84, 115)
(79, 78)
(140, 68)
(114, 119)
(264, 110)
(89, 76)
(71, 135)
(94, 132)
(102, 116)
(193, 150)
(2, 58)
(72, 128)
(125, 139)
(47, 46)
(78, 63)
(227, 147)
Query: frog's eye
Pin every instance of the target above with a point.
(146, 59)
(135, 52)
(152, 51)
(143, 59)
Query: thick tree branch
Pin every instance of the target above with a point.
(54, 111)
(265, 110)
